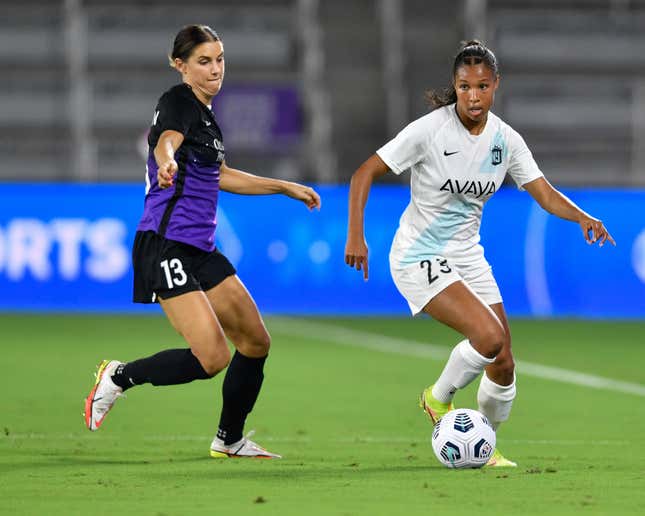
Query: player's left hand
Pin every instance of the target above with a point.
(305, 194)
(594, 231)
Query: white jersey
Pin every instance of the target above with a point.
(453, 173)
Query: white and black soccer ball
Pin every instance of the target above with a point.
(463, 438)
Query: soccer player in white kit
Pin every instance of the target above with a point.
(458, 156)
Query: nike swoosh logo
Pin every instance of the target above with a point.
(446, 153)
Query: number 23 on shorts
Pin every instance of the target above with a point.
(435, 266)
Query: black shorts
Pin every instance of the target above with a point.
(167, 268)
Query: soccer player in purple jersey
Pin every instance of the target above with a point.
(175, 259)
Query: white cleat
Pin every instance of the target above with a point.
(102, 396)
(244, 448)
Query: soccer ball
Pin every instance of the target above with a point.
(463, 438)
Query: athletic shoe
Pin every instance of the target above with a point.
(497, 460)
(432, 406)
(242, 448)
(102, 396)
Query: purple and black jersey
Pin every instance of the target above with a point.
(185, 212)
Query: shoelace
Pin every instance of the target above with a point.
(246, 442)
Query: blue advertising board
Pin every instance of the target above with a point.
(67, 248)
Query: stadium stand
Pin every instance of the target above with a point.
(85, 74)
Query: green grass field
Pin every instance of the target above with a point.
(339, 402)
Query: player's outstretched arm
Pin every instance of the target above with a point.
(561, 206)
(240, 182)
(164, 153)
(359, 189)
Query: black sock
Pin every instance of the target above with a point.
(240, 390)
(170, 367)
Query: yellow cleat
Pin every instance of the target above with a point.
(432, 406)
(497, 460)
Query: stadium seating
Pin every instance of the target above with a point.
(573, 80)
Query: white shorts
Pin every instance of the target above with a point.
(420, 282)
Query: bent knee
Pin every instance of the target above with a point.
(490, 341)
(263, 343)
(256, 345)
(215, 360)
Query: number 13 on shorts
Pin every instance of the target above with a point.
(174, 272)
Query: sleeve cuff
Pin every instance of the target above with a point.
(389, 163)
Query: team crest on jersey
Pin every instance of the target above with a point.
(496, 155)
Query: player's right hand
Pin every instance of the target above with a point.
(594, 230)
(356, 255)
(166, 173)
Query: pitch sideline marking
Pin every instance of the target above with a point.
(32, 436)
(374, 342)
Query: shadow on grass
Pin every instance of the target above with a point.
(61, 461)
(233, 469)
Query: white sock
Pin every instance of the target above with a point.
(464, 365)
(495, 401)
